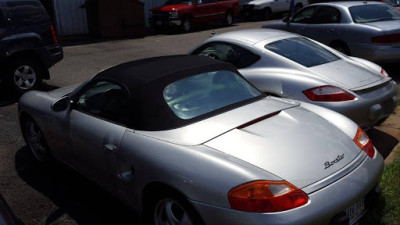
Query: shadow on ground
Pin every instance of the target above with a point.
(383, 142)
(8, 97)
(83, 201)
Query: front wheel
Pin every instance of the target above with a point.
(169, 208)
(229, 19)
(35, 140)
(186, 24)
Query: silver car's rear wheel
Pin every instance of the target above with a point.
(167, 207)
(170, 212)
(35, 140)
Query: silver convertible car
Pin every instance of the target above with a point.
(289, 65)
(370, 30)
(187, 140)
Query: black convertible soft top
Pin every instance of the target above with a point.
(146, 79)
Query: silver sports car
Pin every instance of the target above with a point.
(289, 65)
(370, 30)
(187, 140)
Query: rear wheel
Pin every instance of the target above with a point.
(341, 47)
(298, 7)
(267, 14)
(168, 208)
(24, 74)
(35, 140)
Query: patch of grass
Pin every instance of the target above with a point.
(387, 209)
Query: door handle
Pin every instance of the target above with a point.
(331, 30)
(110, 147)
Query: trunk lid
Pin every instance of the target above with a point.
(347, 74)
(296, 145)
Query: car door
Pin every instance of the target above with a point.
(325, 26)
(205, 11)
(98, 120)
(301, 21)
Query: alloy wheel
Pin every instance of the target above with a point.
(35, 140)
(25, 77)
(170, 212)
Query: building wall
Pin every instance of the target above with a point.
(149, 4)
(70, 19)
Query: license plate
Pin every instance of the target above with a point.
(159, 23)
(355, 211)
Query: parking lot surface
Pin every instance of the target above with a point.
(54, 194)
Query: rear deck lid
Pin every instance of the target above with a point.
(295, 144)
(347, 74)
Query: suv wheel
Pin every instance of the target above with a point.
(229, 19)
(24, 74)
(186, 24)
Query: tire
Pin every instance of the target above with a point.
(35, 140)
(24, 74)
(169, 208)
(229, 18)
(267, 14)
(186, 24)
(297, 7)
(341, 47)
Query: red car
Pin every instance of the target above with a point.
(186, 13)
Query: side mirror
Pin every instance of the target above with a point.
(62, 104)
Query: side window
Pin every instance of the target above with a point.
(106, 100)
(26, 13)
(237, 56)
(305, 16)
(327, 14)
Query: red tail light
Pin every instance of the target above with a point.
(384, 73)
(386, 39)
(363, 141)
(328, 94)
(53, 33)
(266, 196)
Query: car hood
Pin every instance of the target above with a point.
(348, 74)
(169, 8)
(296, 145)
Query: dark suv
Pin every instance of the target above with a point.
(28, 44)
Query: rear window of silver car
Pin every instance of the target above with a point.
(203, 93)
(302, 51)
(373, 13)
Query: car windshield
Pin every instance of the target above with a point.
(173, 2)
(374, 13)
(302, 51)
(203, 93)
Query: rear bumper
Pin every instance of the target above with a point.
(368, 108)
(324, 204)
(56, 54)
(376, 53)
